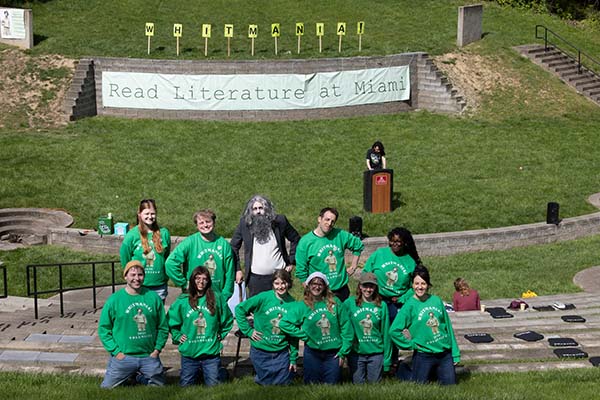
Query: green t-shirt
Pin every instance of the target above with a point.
(268, 311)
(320, 328)
(429, 326)
(393, 273)
(370, 324)
(326, 255)
(204, 330)
(134, 325)
(194, 252)
(153, 262)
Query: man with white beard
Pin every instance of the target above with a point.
(263, 233)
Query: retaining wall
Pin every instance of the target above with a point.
(432, 244)
(80, 107)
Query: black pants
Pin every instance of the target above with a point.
(259, 283)
(342, 293)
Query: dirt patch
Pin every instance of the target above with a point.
(474, 75)
(32, 89)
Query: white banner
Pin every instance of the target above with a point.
(255, 91)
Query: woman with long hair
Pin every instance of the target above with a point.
(371, 348)
(376, 157)
(273, 354)
(432, 337)
(465, 298)
(322, 322)
(150, 244)
(198, 322)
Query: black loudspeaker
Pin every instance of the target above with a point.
(355, 226)
(552, 213)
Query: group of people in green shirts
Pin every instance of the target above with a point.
(364, 329)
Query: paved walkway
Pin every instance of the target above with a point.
(70, 344)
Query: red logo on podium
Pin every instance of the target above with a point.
(381, 180)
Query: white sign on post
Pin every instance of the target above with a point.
(12, 23)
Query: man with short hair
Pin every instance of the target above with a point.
(316, 249)
(133, 329)
(263, 233)
(204, 248)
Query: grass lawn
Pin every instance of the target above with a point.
(568, 384)
(530, 142)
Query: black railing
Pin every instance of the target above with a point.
(5, 283)
(554, 40)
(32, 274)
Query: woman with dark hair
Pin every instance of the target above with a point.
(149, 244)
(272, 353)
(432, 338)
(198, 322)
(322, 322)
(376, 156)
(393, 267)
(371, 348)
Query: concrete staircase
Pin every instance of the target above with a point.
(507, 353)
(70, 343)
(80, 100)
(435, 92)
(29, 225)
(582, 79)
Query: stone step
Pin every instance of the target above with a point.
(588, 86)
(542, 54)
(573, 73)
(559, 63)
(566, 69)
(593, 92)
(549, 59)
(525, 367)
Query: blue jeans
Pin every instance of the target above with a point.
(366, 368)
(272, 368)
(425, 363)
(393, 309)
(118, 371)
(321, 366)
(161, 290)
(191, 367)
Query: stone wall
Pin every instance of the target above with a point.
(432, 244)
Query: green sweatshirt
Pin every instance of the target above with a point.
(319, 328)
(194, 252)
(326, 255)
(204, 331)
(134, 325)
(393, 273)
(371, 326)
(153, 262)
(429, 326)
(268, 312)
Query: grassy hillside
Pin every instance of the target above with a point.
(529, 141)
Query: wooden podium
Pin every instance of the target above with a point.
(378, 189)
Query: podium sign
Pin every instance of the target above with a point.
(378, 189)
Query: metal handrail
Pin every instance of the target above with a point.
(5, 285)
(32, 272)
(573, 47)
